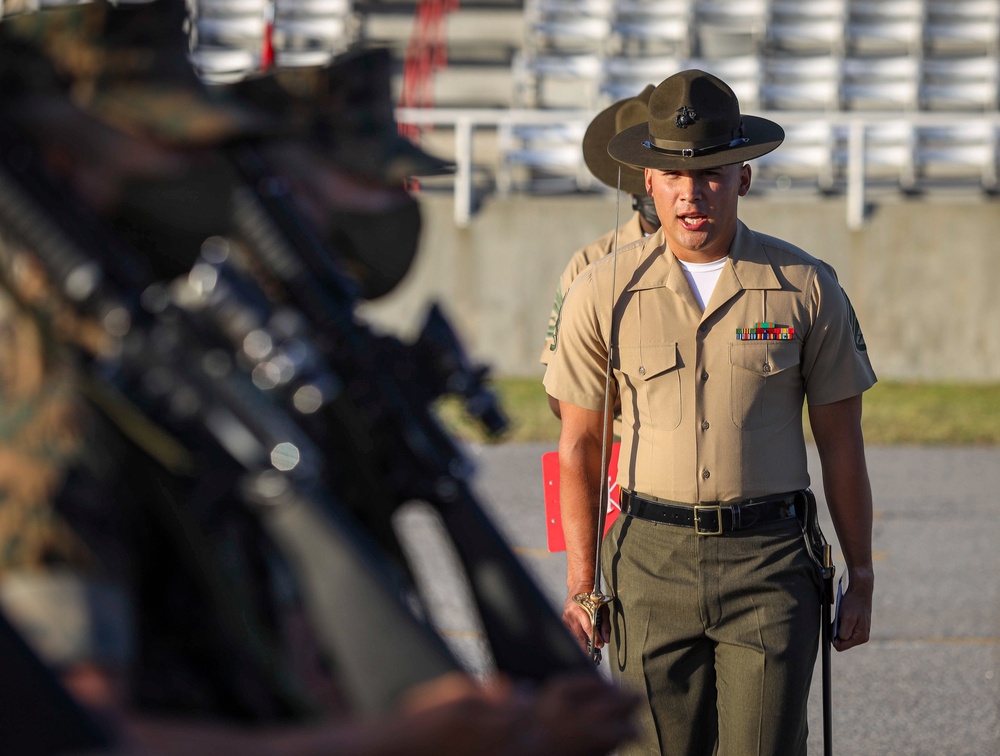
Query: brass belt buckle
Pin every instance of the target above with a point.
(698, 508)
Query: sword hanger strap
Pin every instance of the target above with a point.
(602, 498)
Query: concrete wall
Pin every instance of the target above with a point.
(924, 275)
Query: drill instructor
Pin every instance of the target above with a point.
(716, 335)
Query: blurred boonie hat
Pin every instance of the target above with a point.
(346, 108)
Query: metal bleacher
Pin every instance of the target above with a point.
(877, 96)
(233, 39)
(897, 95)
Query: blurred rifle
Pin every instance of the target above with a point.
(387, 390)
(294, 467)
(362, 607)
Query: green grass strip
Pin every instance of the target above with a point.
(894, 413)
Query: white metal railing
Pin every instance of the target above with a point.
(848, 151)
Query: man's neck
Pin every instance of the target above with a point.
(647, 227)
(700, 256)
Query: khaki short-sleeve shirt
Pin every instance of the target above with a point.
(628, 233)
(711, 403)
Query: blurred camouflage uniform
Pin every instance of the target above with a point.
(119, 67)
(53, 586)
(81, 540)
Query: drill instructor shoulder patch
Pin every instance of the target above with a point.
(556, 316)
(859, 338)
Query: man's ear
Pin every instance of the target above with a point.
(746, 176)
(648, 179)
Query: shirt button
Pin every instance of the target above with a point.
(766, 368)
(704, 424)
(703, 328)
(642, 370)
(706, 474)
(704, 376)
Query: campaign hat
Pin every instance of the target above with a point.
(694, 123)
(629, 111)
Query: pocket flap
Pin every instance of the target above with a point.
(648, 360)
(764, 357)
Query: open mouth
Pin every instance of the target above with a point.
(693, 222)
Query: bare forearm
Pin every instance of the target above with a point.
(849, 498)
(837, 429)
(580, 487)
(581, 481)
(845, 481)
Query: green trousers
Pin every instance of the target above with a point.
(720, 634)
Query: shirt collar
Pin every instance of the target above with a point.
(749, 266)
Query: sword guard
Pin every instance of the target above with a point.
(592, 603)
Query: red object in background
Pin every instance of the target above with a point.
(426, 54)
(553, 518)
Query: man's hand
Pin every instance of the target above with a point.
(577, 619)
(855, 623)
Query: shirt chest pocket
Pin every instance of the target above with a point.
(650, 386)
(766, 384)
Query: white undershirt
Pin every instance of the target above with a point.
(703, 277)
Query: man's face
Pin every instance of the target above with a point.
(697, 209)
(372, 228)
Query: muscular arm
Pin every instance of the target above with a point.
(837, 430)
(580, 481)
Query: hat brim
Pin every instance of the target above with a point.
(762, 137)
(600, 163)
(386, 158)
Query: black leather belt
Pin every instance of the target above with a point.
(712, 518)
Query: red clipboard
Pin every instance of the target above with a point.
(553, 518)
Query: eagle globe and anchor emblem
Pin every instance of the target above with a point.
(686, 118)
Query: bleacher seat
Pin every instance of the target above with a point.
(959, 152)
(743, 74)
(626, 76)
(560, 62)
(542, 158)
(890, 153)
(310, 32)
(223, 65)
(808, 155)
(227, 38)
(885, 26)
(881, 83)
(570, 26)
(535, 80)
(970, 82)
(653, 27)
(963, 26)
(731, 28)
(807, 27)
(801, 82)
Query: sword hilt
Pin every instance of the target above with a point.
(592, 603)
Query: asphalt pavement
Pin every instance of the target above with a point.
(927, 683)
